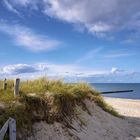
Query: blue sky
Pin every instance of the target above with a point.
(93, 40)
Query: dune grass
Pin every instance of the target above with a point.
(47, 100)
(7, 96)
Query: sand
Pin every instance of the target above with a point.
(126, 107)
(130, 109)
(96, 125)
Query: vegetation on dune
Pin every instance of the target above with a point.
(48, 100)
(7, 96)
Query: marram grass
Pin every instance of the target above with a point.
(47, 100)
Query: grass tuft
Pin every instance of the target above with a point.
(47, 100)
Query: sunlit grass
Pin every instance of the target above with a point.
(48, 100)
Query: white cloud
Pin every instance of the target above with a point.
(15, 5)
(10, 7)
(70, 73)
(116, 70)
(17, 69)
(99, 53)
(60, 70)
(28, 39)
(21, 2)
(50, 68)
(54, 70)
(99, 28)
(97, 16)
(89, 55)
(118, 54)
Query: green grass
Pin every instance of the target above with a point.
(47, 100)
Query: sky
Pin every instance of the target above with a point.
(93, 40)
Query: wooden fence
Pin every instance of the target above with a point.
(16, 86)
(10, 125)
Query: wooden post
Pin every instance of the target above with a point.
(16, 87)
(12, 129)
(11, 124)
(4, 130)
(5, 85)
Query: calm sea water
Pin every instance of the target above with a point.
(119, 86)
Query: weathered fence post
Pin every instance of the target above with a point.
(4, 130)
(16, 87)
(11, 124)
(12, 129)
(5, 85)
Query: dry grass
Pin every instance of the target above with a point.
(48, 100)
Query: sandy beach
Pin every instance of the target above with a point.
(126, 107)
(130, 109)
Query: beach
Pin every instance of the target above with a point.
(126, 107)
(130, 109)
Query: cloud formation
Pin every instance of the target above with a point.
(118, 54)
(52, 69)
(15, 5)
(89, 55)
(19, 69)
(10, 7)
(116, 70)
(100, 18)
(97, 16)
(71, 73)
(27, 38)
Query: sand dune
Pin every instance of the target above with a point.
(95, 124)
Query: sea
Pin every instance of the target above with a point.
(104, 87)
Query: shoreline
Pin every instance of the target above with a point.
(126, 107)
(105, 97)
